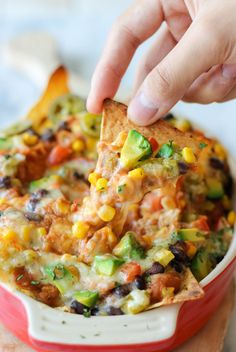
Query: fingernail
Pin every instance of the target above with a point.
(229, 71)
(141, 110)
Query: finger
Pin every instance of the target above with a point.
(212, 86)
(168, 81)
(134, 27)
(159, 49)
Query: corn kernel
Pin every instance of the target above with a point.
(91, 144)
(2, 201)
(183, 125)
(188, 155)
(106, 212)
(137, 173)
(30, 139)
(168, 203)
(120, 140)
(80, 229)
(191, 249)
(231, 218)
(220, 151)
(164, 256)
(93, 177)
(101, 184)
(62, 206)
(78, 146)
(41, 231)
(9, 234)
(167, 292)
(26, 232)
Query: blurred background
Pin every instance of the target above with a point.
(38, 35)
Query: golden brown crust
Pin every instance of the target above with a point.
(57, 86)
(115, 120)
(189, 291)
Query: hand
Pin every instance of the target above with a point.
(193, 58)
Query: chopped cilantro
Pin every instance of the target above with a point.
(87, 313)
(166, 150)
(19, 277)
(202, 145)
(120, 188)
(34, 283)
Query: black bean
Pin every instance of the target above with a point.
(48, 136)
(94, 311)
(139, 282)
(179, 253)
(216, 163)
(39, 194)
(156, 268)
(114, 311)
(219, 258)
(63, 126)
(122, 290)
(229, 187)
(5, 182)
(77, 307)
(183, 167)
(32, 204)
(169, 116)
(78, 176)
(33, 216)
(177, 266)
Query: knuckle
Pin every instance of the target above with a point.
(212, 36)
(160, 80)
(122, 28)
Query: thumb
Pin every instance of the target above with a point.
(196, 52)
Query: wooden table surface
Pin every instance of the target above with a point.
(210, 338)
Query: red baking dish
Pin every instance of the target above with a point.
(161, 329)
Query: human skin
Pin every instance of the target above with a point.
(193, 58)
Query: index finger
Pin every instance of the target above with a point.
(137, 24)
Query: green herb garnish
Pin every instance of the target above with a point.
(202, 145)
(34, 283)
(166, 151)
(120, 188)
(19, 277)
(87, 313)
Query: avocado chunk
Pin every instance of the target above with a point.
(43, 183)
(190, 235)
(107, 264)
(129, 247)
(201, 264)
(5, 143)
(60, 277)
(215, 189)
(136, 147)
(86, 297)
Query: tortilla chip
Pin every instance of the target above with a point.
(115, 120)
(189, 291)
(57, 86)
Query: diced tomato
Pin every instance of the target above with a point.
(153, 143)
(130, 271)
(202, 223)
(156, 203)
(58, 155)
(160, 281)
